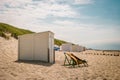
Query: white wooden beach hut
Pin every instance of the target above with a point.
(75, 48)
(66, 47)
(37, 46)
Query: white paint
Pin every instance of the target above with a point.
(37, 46)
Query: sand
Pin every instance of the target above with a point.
(101, 67)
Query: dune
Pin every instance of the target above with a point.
(101, 67)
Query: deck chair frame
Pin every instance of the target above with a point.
(74, 60)
(70, 61)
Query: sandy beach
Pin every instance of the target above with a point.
(101, 66)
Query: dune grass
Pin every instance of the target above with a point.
(15, 32)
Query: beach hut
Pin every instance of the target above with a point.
(37, 46)
(75, 48)
(66, 47)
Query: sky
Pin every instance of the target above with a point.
(90, 23)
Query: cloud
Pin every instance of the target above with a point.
(83, 1)
(23, 12)
(40, 9)
(65, 23)
(13, 3)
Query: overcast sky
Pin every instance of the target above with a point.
(91, 23)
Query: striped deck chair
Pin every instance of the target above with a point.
(80, 61)
(74, 60)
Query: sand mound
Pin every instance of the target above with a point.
(100, 67)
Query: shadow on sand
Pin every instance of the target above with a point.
(34, 62)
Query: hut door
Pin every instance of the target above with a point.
(40, 47)
(26, 48)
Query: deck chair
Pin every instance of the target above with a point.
(80, 61)
(70, 60)
(74, 60)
